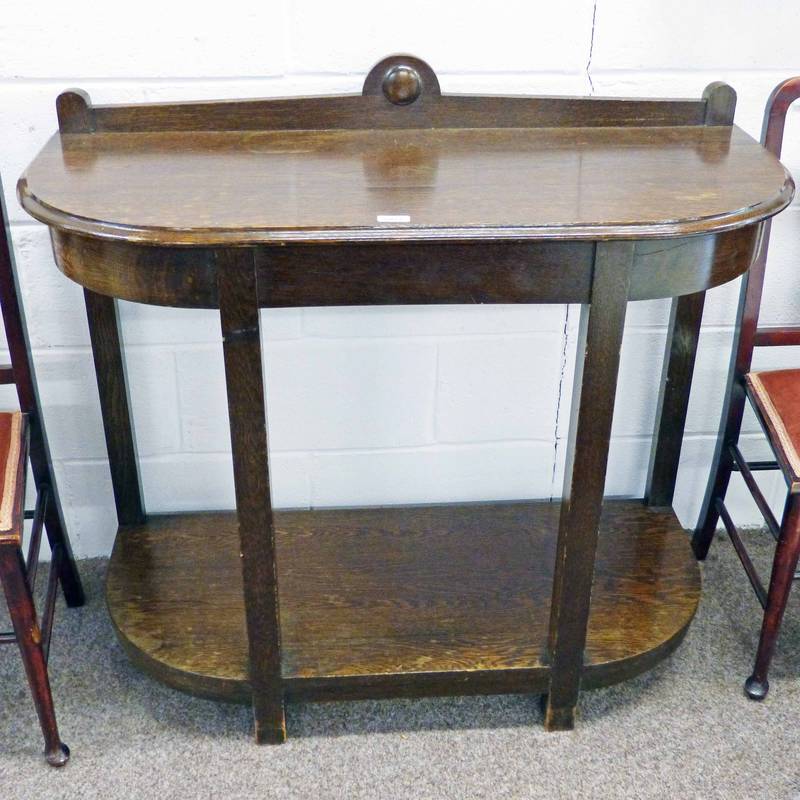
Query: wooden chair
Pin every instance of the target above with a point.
(775, 397)
(22, 435)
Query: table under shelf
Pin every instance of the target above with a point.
(399, 600)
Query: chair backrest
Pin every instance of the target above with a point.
(20, 370)
(782, 97)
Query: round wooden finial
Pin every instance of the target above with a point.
(402, 85)
(401, 80)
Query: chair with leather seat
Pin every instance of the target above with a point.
(775, 397)
(22, 438)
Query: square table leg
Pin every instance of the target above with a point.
(683, 335)
(239, 315)
(109, 364)
(599, 342)
(735, 402)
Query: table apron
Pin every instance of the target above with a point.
(402, 273)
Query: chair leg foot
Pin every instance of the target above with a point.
(57, 757)
(29, 640)
(756, 689)
(783, 568)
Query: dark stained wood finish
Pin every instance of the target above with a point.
(597, 361)
(349, 112)
(176, 277)
(402, 79)
(401, 195)
(17, 577)
(720, 102)
(399, 600)
(683, 334)
(784, 566)
(741, 551)
(732, 411)
(745, 335)
(727, 456)
(399, 274)
(384, 107)
(788, 336)
(109, 364)
(666, 268)
(74, 111)
(277, 187)
(241, 342)
(23, 375)
(29, 638)
(424, 274)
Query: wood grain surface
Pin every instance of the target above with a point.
(304, 186)
(403, 600)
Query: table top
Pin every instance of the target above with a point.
(282, 186)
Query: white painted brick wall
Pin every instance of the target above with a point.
(378, 405)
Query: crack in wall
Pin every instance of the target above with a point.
(591, 49)
(564, 350)
(566, 337)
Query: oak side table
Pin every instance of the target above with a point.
(403, 195)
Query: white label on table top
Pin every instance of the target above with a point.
(394, 217)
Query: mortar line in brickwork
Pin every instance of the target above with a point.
(434, 447)
(712, 71)
(424, 338)
(59, 81)
(156, 458)
(355, 74)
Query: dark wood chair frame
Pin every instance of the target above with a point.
(18, 573)
(728, 458)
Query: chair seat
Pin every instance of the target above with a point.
(13, 452)
(776, 397)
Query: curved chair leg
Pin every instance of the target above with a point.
(780, 584)
(26, 629)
